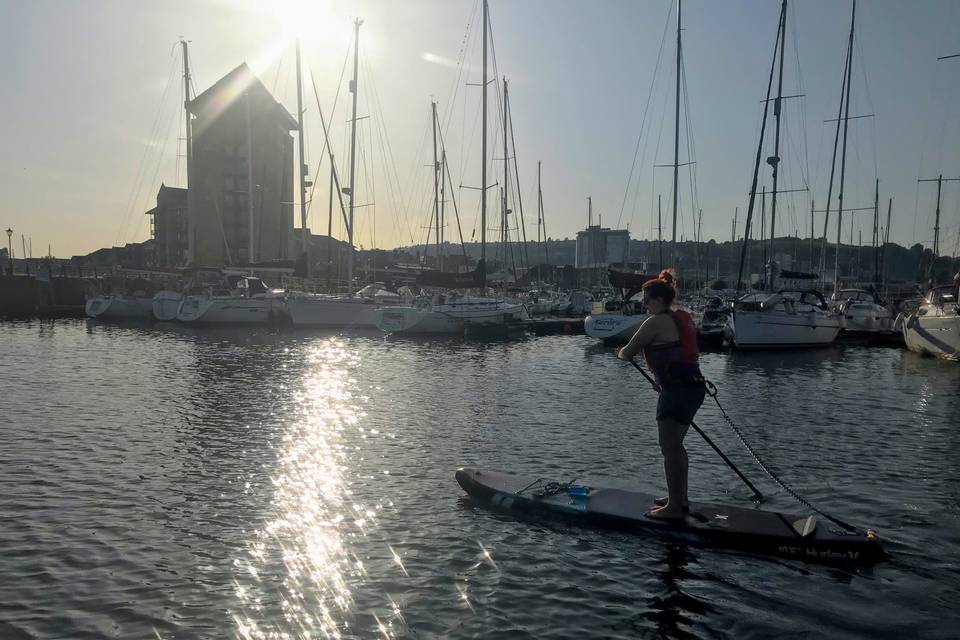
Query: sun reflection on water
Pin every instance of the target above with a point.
(305, 545)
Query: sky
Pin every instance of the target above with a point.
(92, 110)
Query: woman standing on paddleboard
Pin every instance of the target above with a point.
(668, 339)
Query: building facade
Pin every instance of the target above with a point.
(169, 227)
(598, 247)
(240, 199)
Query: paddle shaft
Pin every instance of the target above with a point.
(756, 492)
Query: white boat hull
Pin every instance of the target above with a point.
(780, 329)
(119, 308)
(416, 321)
(867, 319)
(166, 305)
(216, 310)
(450, 318)
(933, 334)
(333, 312)
(613, 326)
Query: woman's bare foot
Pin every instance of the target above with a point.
(666, 513)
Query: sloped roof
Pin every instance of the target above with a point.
(229, 88)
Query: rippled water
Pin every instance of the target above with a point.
(175, 483)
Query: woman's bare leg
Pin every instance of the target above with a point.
(671, 434)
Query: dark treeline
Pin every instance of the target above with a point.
(857, 264)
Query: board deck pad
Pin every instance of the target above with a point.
(768, 532)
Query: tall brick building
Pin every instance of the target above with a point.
(169, 227)
(240, 200)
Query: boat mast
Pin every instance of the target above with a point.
(303, 167)
(936, 226)
(250, 245)
(660, 231)
(876, 232)
(676, 142)
(189, 139)
(483, 154)
(186, 106)
(774, 160)
(353, 148)
(539, 202)
(443, 202)
(696, 247)
(883, 251)
(748, 228)
(505, 229)
(543, 221)
(733, 240)
(436, 183)
(522, 233)
(843, 153)
(833, 167)
(330, 224)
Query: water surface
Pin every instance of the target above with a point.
(178, 483)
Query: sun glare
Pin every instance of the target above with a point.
(314, 22)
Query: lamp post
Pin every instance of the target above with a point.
(10, 248)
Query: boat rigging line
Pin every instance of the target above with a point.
(713, 393)
(154, 143)
(643, 121)
(386, 151)
(333, 111)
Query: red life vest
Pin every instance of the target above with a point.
(676, 362)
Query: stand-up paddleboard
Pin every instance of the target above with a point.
(780, 534)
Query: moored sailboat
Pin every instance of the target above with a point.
(619, 320)
(249, 302)
(790, 312)
(934, 329)
(119, 307)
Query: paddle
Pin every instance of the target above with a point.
(756, 492)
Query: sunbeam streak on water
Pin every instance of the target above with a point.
(314, 518)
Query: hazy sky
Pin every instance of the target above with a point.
(92, 99)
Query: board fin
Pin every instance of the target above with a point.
(805, 526)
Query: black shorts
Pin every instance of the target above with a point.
(680, 403)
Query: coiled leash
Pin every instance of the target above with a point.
(711, 390)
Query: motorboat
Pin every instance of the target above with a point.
(615, 320)
(863, 312)
(711, 320)
(934, 329)
(785, 319)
